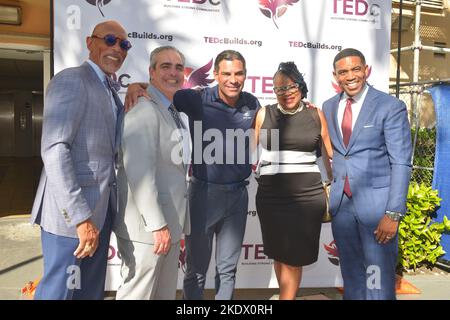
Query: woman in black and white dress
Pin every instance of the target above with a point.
(290, 200)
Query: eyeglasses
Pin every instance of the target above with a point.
(279, 91)
(111, 40)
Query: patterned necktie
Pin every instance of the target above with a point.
(114, 87)
(118, 110)
(113, 84)
(176, 117)
(346, 133)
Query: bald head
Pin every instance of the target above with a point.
(108, 57)
(106, 25)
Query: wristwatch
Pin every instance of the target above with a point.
(395, 216)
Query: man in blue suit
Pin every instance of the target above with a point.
(371, 141)
(76, 198)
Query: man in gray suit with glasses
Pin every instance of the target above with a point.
(75, 202)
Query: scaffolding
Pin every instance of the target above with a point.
(416, 47)
(414, 93)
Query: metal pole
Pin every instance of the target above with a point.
(422, 47)
(419, 83)
(408, 48)
(417, 46)
(399, 47)
(417, 42)
(417, 127)
(436, 49)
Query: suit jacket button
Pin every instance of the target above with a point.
(346, 157)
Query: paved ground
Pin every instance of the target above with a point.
(21, 261)
(20, 255)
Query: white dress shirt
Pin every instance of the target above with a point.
(358, 101)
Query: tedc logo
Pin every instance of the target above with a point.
(358, 10)
(274, 9)
(99, 4)
(333, 253)
(197, 78)
(354, 7)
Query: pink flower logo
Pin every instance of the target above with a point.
(194, 78)
(333, 253)
(182, 257)
(274, 9)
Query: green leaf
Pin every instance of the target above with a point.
(419, 237)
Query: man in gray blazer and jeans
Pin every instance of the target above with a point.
(76, 199)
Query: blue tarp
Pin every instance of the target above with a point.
(441, 175)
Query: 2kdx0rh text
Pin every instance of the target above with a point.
(226, 309)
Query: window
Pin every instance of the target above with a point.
(439, 45)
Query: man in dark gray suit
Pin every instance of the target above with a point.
(76, 198)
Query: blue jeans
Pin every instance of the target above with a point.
(219, 210)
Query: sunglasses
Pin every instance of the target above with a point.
(111, 40)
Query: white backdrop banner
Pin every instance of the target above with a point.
(266, 32)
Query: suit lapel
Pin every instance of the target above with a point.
(336, 125)
(119, 121)
(119, 127)
(364, 115)
(170, 123)
(104, 101)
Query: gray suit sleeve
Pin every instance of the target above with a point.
(141, 149)
(65, 105)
